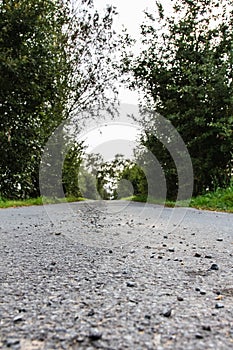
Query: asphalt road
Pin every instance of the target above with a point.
(115, 275)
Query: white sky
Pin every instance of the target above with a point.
(130, 14)
(109, 137)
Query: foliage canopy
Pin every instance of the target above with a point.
(185, 74)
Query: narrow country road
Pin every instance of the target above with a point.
(115, 275)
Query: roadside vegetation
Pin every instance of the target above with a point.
(6, 203)
(219, 200)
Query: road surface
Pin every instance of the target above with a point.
(115, 275)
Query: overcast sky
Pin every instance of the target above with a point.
(130, 14)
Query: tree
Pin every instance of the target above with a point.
(132, 174)
(54, 63)
(71, 169)
(185, 73)
(87, 184)
(32, 64)
(108, 174)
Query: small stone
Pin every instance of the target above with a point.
(57, 233)
(206, 328)
(95, 334)
(80, 339)
(219, 306)
(91, 313)
(131, 284)
(171, 250)
(148, 317)
(110, 251)
(167, 313)
(12, 341)
(160, 257)
(217, 292)
(197, 255)
(197, 289)
(179, 298)
(199, 336)
(208, 256)
(219, 239)
(202, 292)
(18, 318)
(214, 267)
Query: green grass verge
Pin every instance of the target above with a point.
(220, 200)
(152, 200)
(5, 203)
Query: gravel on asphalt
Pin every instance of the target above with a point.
(115, 275)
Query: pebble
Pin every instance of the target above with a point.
(202, 292)
(206, 328)
(197, 255)
(199, 336)
(217, 292)
(148, 317)
(18, 318)
(167, 312)
(171, 250)
(10, 342)
(219, 306)
(214, 267)
(131, 284)
(95, 334)
(91, 313)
